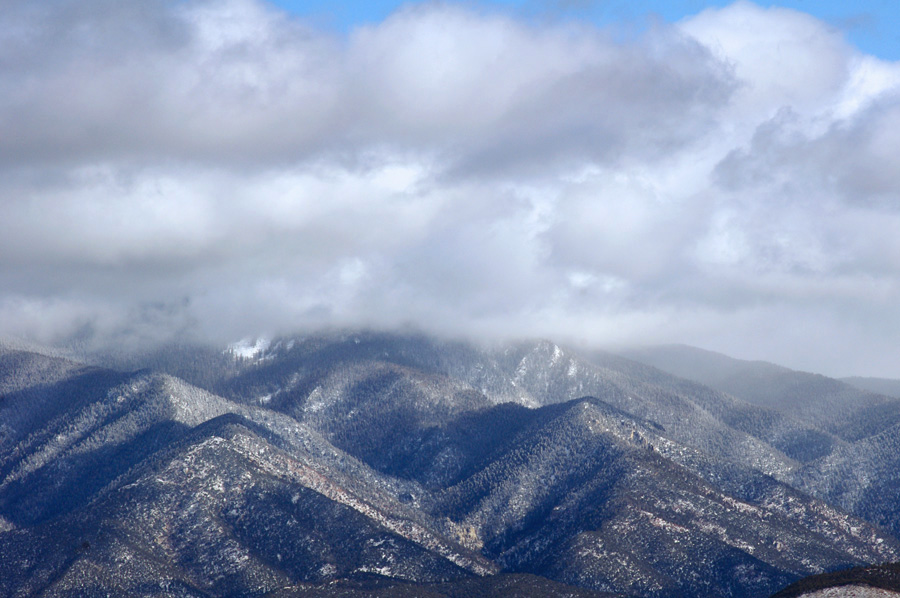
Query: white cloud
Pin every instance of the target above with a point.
(783, 58)
(222, 169)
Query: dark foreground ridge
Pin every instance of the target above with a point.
(885, 577)
(496, 586)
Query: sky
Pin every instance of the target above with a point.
(872, 26)
(725, 175)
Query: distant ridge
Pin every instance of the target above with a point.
(846, 411)
(885, 386)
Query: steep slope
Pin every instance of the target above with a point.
(690, 416)
(95, 426)
(93, 432)
(225, 512)
(78, 472)
(587, 495)
(358, 378)
(863, 478)
(856, 465)
(397, 463)
(825, 403)
(369, 410)
(32, 385)
(795, 439)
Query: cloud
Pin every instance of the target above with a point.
(222, 169)
(781, 56)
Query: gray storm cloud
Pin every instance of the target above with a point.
(222, 169)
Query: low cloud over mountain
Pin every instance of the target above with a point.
(223, 168)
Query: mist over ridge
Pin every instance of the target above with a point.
(216, 171)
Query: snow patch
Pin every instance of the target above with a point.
(557, 355)
(249, 348)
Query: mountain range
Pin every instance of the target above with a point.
(361, 463)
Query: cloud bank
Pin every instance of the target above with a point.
(224, 169)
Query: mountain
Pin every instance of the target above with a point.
(857, 464)
(591, 496)
(156, 480)
(883, 386)
(831, 405)
(363, 463)
(343, 372)
(862, 478)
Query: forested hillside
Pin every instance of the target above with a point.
(362, 463)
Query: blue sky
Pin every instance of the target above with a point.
(871, 25)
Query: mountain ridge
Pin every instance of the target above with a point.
(441, 462)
